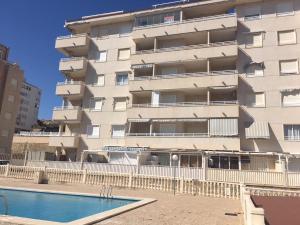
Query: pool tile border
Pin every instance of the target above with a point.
(83, 221)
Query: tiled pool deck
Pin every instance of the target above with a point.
(167, 210)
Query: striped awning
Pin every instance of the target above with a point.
(142, 66)
(139, 120)
(123, 149)
(179, 120)
(258, 130)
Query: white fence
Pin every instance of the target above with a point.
(250, 177)
(179, 185)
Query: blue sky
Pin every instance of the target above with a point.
(29, 28)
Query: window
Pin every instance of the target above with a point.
(4, 133)
(122, 79)
(291, 132)
(256, 99)
(101, 56)
(124, 54)
(287, 37)
(223, 162)
(125, 30)
(289, 66)
(93, 131)
(100, 80)
(252, 13)
(169, 17)
(284, 9)
(14, 82)
(254, 40)
(11, 98)
(118, 131)
(255, 70)
(7, 116)
(290, 98)
(96, 104)
(120, 104)
(1, 54)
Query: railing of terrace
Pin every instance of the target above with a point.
(185, 75)
(186, 47)
(184, 104)
(205, 18)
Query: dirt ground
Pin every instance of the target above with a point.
(167, 210)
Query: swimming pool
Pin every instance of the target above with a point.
(62, 207)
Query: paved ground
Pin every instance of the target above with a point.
(167, 210)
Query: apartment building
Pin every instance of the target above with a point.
(11, 79)
(29, 107)
(215, 82)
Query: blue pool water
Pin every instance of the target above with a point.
(56, 207)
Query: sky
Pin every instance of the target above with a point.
(29, 28)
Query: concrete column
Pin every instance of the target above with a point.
(208, 37)
(151, 128)
(153, 70)
(208, 97)
(129, 127)
(155, 44)
(181, 15)
(208, 66)
(204, 166)
(240, 163)
(138, 157)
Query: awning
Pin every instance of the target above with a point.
(258, 130)
(142, 66)
(139, 120)
(180, 120)
(260, 64)
(123, 149)
(290, 89)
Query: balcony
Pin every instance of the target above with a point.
(71, 89)
(183, 141)
(185, 110)
(186, 26)
(64, 140)
(73, 45)
(184, 80)
(73, 67)
(67, 114)
(186, 53)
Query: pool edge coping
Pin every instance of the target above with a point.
(83, 221)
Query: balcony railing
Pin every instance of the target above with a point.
(60, 108)
(184, 104)
(199, 19)
(185, 75)
(71, 36)
(204, 135)
(72, 59)
(37, 134)
(186, 47)
(69, 83)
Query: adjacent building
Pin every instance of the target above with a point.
(29, 107)
(215, 82)
(11, 80)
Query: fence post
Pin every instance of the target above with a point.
(84, 176)
(181, 185)
(130, 180)
(7, 170)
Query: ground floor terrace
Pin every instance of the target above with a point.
(167, 210)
